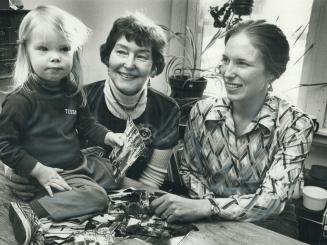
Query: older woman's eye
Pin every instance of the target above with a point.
(143, 57)
(121, 52)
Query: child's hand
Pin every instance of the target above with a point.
(48, 177)
(115, 139)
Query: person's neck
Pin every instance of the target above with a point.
(245, 111)
(128, 101)
(48, 85)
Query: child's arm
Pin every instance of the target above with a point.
(16, 110)
(115, 139)
(89, 128)
(48, 177)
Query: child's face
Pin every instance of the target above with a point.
(50, 54)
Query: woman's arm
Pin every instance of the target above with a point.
(176, 208)
(156, 170)
(20, 186)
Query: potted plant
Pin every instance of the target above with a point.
(185, 78)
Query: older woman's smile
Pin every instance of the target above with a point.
(130, 66)
(127, 76)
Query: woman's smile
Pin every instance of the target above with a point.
(130, 66)
(127, 76)
(232, 86)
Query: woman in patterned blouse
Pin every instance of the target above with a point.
(244, 155)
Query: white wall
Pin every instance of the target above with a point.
(99, 15)
(317, 155)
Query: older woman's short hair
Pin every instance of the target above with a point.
(141, 30)
(269, 39)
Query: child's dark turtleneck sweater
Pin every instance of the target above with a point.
(44, 125)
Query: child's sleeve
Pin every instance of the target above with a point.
(88, 128)
(13, 118)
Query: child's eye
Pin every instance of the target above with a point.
(66, 49)
(42, 48)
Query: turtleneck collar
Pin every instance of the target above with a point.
(127, 101)
(41, 85)
(136, 102)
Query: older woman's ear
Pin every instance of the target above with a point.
(270, 77)
(153, 72)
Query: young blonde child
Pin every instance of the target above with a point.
(42, 120)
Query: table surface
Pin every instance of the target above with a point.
(234, 233)
(210, 233)
(226, 232)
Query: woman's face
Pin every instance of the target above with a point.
(243, 69)
(130, 66)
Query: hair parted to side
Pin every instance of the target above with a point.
(144, 32)
(72, 28)
(269, 40)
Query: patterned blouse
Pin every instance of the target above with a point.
(250, 176)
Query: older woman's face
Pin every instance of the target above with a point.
(130, 66)
(243, 69)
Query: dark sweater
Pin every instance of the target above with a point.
(158, 124)
(44, 125)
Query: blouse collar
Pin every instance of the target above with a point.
(221, 111)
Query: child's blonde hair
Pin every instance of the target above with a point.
(72, 28)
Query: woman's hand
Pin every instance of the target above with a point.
(20, 186)
(175, 208)
(48, 177)
(115, 139)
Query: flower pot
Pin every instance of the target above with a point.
(314, 198)
(183, 87)
(242, 7)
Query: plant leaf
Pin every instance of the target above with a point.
(301, 34)
(190, 36)
(217, 35)
(311, 46)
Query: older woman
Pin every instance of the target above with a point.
(133, 52)
(244, 153)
